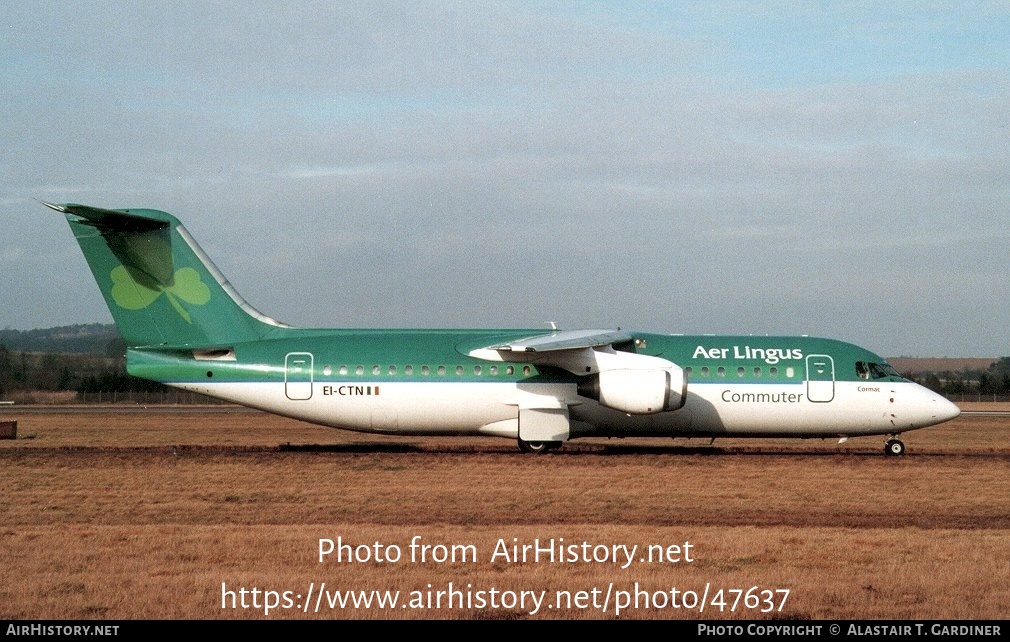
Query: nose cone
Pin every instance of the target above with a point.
(944, 410)
(932, 408)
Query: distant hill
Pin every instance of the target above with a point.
(92, 338)
(103, 339)
(925, 365)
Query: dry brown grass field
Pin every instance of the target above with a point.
(186, 513)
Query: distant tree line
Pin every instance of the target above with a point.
(24, 372)
(995, 380)
(83, 338)
(83, 358)
(101, 366)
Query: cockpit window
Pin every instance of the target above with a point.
(870, 370)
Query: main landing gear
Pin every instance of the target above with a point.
(538, 447)
(894, 447)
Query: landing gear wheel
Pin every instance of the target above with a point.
(894, 447)
(537, 447)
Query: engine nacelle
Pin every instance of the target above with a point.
(638, 391)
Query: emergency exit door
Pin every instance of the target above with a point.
(298, 375)
(820, 378)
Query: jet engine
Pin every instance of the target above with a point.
(638, 384)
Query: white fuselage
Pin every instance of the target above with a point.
(712, 409)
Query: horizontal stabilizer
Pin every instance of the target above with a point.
(113, 219)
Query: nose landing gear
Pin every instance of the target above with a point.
(894, 447)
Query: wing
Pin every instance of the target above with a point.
(623, 380)
(577, 351)
(564, 340)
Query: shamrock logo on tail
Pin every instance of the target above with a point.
(133, 294)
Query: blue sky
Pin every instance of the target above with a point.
(837, 169)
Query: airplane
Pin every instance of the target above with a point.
(185, 326)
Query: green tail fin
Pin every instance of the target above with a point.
(161, 288)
